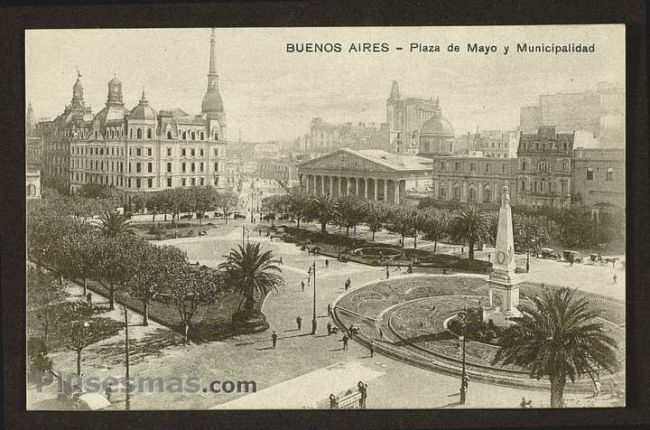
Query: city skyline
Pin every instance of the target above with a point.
(272, 95)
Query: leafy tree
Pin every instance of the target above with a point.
(115, 224)
(82, 250)
(298, 207)
(254, 274)
(401, 221)
(471, 225)
(78, 329)
(94, 191)
(151, 268)
(227, 202)
(115, 264)
(349, 212)
(376, 214)
(435, 225)
(191, 288)
(530, 233)
(204, 199)
(176, 201)
(558, 336)
(323, 209)
(43, 292)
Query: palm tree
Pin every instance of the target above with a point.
(471, 225)
(252, 272)
(559, 337)
(115, 224)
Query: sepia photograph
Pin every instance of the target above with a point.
(413, 217)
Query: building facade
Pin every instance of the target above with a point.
(599, 178)
(545, 171)
(33, 157)
(282, 170)
(494, 143)
(369, 174)
(142, 149)
(324, 137)
(473, 179)
(406, 118)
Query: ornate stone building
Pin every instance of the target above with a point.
(371, 174)
(324, 137)
(142, 149)
(545, 172)
(473, 179)
(33, 157)
(599, 178)
(408, 120)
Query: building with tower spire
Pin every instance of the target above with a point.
(141, 149)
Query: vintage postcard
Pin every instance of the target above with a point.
(326, 218)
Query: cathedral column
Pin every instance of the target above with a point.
(436, 189)
(385, 190)
(397, 191)
(322, 185)
(331, 186)
(365, 188)
(479, 195)
(340, 182)
(375, 183)
(450, 194)
(356, 187)
(464, 191)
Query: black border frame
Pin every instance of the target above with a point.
(13, 22)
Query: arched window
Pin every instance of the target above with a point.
(487, 194)
(139, 133)
(202, 136)
(148, 133)
(216, 136)
(169, 134)
(184, 135)
(95, 135)
(131, 133)
(472, 194)
(193, 136)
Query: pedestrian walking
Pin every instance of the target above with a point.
(363, 389)
(302, 284)
(299, 322)
(615, 278)
(529, 404)
(327, 263)
(109, 391)
(381, 334)
(444, 270)
(409, 269)
(489, 257)
(345, 342)
(523, 403)
(462, 250)
(89, 298)
(329, 328)
(274, 338)
(372, 350)
(597, 388)
(329, 309)
(399, 266)
(347, 284)
(387, 273)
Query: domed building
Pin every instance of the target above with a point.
(142, 149)
(436, 137)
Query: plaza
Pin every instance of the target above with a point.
(301, 359)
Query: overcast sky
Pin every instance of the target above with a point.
(270, 94)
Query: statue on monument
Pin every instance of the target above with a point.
(505, 195)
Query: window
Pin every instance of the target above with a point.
(609, 175)
(457, 166)
(472, 195)
(201, 167)
(193, 136)
(216, 136)
(216, 167)
(487, 195)
(183, 169)
(202, 181)
(202, 136)
(169, 134)
(149, 183)
(503, 168)
(523, 185)
(169, 182)
(487, 168)
(149, 167)
(472, 167)
(121, 166)
(563, 185)
(138, 152)
(138, 168)
(184, 135)
(149, 152)
(183, 182)
(139, 136)
(192, 152)
(129, 167)
(169, 152)
(457, 192)
(590, 174)
(193, 168)
(193, 182)
(216, 152)
(138, 182)
(149, 136)
(201, 152)
(169, 167)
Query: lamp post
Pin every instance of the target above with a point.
(462, 316)
(127, 404)
(314, 324)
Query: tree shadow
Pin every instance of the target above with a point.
(111, 354)
(265, 349)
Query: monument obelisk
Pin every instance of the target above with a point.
(504, 289)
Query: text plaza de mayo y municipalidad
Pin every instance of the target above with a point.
(475, 48)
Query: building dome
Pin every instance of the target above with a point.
(437, 126)
(212, 102)
(143, 112)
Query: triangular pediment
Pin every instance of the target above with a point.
(345, 160)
